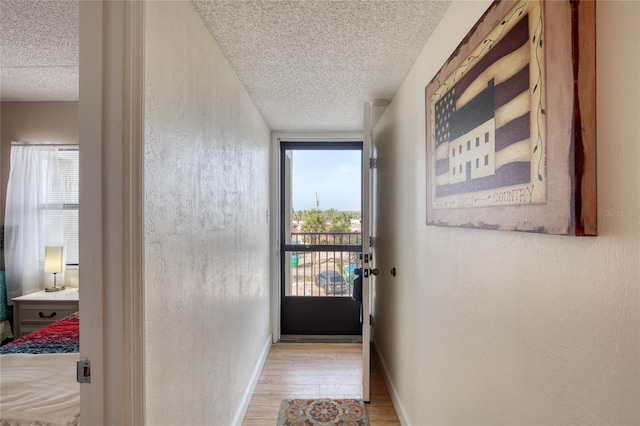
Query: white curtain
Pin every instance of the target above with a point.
(28, 192)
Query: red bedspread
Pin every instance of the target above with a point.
(60, 337)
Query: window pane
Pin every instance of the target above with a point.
(58, 200)
(323, 201)
(71, 235)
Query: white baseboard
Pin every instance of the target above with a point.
(395, 399)
(248, 393)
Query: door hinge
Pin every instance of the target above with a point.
(373, 163)
(83, 372)
(371, 243)
(371, 320)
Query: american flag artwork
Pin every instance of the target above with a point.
(510, 122)
(487, 120)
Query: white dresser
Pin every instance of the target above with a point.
(33, 311)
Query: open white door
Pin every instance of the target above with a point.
(366, 249)
(368, 229)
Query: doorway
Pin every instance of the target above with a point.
(320, 237)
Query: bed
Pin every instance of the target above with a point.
(38, 371)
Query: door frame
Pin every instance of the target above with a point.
(111, 138)
(277, 213)
(341, 313)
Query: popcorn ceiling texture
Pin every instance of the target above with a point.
(307, 65)
(42, 83)
(310, 65)
(39, 50)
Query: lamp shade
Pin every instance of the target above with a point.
(55, 259)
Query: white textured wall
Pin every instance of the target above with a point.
(206, 248)
(488, 327)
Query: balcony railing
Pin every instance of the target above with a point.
(327, 238)
(322, 263)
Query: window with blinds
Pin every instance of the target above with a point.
(58, 201)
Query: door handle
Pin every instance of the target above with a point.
(368, 272)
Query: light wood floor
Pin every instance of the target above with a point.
(317, 370)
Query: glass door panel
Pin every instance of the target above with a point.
(321, 237)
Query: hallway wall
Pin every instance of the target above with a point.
(206, 230)
(505, 328)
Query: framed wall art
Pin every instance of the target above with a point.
(510, 122)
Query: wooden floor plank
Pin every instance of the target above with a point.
(317, 370)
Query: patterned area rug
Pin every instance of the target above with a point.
(322, 412)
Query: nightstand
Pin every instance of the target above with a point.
(33, 311)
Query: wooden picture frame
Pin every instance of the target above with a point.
(510, 122)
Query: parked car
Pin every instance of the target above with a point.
(332, 282)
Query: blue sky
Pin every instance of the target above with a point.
(334, 175)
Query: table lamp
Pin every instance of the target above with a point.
(55, 261)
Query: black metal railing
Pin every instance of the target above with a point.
(322, 263)
(327, 238)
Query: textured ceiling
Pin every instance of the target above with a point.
(39, 50)
(307, 64)
(310, 65)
